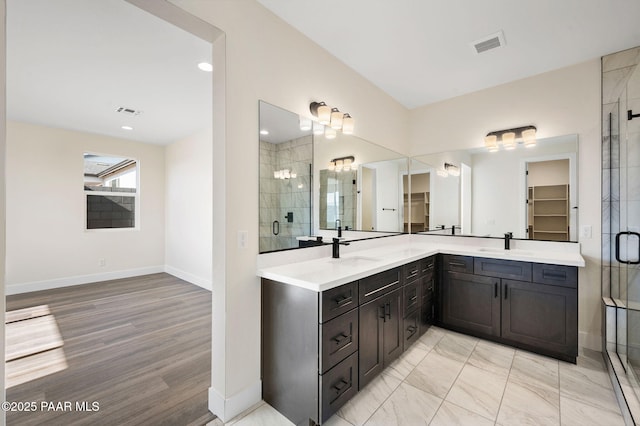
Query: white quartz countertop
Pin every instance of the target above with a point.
(325, 273)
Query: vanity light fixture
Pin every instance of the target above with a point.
(322, 111)
(336, 118)
(332, 117)
(342, 164)
(442, 173)
(318, 129)
(348, 123)
(452, 169)
(509, 138)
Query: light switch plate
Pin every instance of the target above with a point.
(243, 237)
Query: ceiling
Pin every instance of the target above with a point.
(73, 63)
(420, 51)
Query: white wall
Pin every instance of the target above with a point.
(552, 172)
(3, 174)
(47, 244)
(388, 196)
(560, 102)
(269, 60)
(188, 208)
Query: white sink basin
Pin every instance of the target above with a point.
(506, 252)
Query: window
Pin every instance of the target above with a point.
(111, 191)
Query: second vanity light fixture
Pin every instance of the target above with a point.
(507, 138)
(342, 164)
(448, 169)
(332, 118)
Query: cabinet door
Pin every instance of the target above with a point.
(371, 323)
(393, 327)
(540, 315)
(471, 302)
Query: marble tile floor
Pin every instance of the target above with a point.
(448, 378)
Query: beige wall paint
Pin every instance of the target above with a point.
(559, 102)
(269, 60)
(188, 208)
(46, 240)
(553, 172)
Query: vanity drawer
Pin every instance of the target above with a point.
(565, 276)
(454, 263)
(338, 300)
(428, 265)
(337, 386)
(411, 271)
(411, 328)
(339, 339)
(379, 284)
(427, 287)
(498, 268)
(411, 296)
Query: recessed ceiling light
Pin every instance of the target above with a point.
(205, 66)
(264, 132)
(127, 128)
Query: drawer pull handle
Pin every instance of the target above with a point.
(340, 386)
(495, 289)
(460, 264)
(554, 275)
(381, 288)
(412, 329)
(430, 266)
(387, 310)
(413, 298)
(340, 338)
(345, 300)
(506, 287)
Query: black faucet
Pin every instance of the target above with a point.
(507, 240)
(339, 227)
(336, 248)
(453, 229)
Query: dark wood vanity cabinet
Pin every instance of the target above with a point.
(528, 305)
(320, 349)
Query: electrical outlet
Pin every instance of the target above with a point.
(585, 231)
(101, 262)
(243, 237)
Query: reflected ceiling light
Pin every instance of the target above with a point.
(305, 124)
(284, 174)
(205, 66)
(442, 173)
(264, 132)
(342, 164)
(322, 111)
(336, 119)
(510, 137)
(332, 117)
(451, 169)
(330, 133)
(127, 128)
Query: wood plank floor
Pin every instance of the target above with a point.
(139, 347)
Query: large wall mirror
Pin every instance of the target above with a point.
(531, 192)
(310, 184)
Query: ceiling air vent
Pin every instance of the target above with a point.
(128, 111)
(489, 42)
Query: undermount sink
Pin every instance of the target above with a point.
(505, 252)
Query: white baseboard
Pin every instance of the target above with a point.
(590, 341)
(228, 408)
(193, 279)
(79, 279)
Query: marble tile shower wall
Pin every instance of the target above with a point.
(620, 164)
(278, 197)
